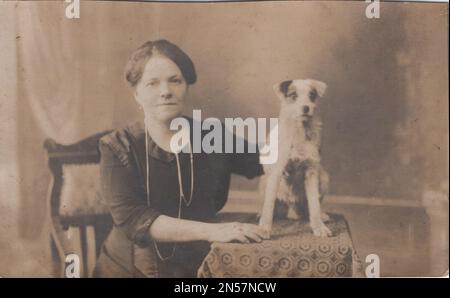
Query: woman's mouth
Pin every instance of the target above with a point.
(167, 104)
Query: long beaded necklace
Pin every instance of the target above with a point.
(182, 197)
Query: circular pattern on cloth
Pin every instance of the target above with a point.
(245, 260)
(304, 265)
(323, 267)
(286, 244)
(343, 250)
(284, 263)
(324, 248)
(295, 252)
(265, 262)
(304, 246)
(227, 259)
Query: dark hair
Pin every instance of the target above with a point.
(136, 64)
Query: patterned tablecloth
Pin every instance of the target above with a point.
(292, 251)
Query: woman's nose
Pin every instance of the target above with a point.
(165, 91)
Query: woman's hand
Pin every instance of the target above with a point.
(170, 229)
(237, 232)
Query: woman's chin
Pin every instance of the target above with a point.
(167, 113)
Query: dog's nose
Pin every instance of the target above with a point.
(306, 109)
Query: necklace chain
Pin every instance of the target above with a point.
(180, 179)
(182, 197)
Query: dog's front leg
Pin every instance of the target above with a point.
(270, 197)
(313, 198)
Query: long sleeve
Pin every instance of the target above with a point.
(246, 164)
(124, 196)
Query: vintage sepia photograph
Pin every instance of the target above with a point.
(224, 139)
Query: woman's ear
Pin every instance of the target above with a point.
(136, 98)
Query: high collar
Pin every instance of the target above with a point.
(137, 132)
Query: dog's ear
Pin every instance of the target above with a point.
(282, 88)
(320, 87)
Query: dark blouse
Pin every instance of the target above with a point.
(129, 250)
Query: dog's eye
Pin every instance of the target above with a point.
(293, 96)
(313, 95)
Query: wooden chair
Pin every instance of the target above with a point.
(74, 200)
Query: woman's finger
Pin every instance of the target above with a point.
(253, 236)
(257, 230)
(241, 238)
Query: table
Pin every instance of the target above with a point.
(292, 251)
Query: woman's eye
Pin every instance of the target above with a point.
(152, 83)
(176, 81)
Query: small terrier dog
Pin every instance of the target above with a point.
(297, 182)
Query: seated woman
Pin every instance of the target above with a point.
(163, 203)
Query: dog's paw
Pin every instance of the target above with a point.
(320, 229)
(266, 230)
(324, 217)
(266, 226)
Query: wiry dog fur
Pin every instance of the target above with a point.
(297, 181)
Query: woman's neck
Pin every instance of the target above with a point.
(160, 132)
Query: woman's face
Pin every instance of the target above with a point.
(162, 89)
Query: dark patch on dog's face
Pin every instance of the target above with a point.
(284, 86)
(313, 94)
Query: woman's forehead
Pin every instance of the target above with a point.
(159, 66)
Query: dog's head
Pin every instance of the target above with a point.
(299, 97)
